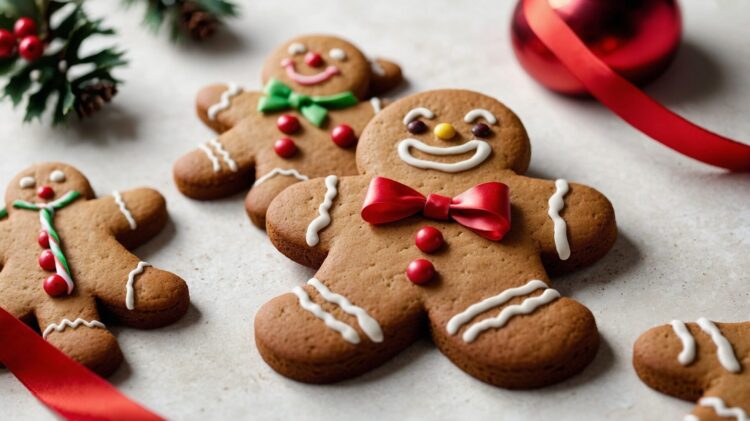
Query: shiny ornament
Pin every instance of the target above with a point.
(55, 286)
(343, 136)
(420, 271)
(637, 39)
(31, 48)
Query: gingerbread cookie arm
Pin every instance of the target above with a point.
(133, 216)
(385, 76)
(4, 238)
(222, 106)
(573, 224)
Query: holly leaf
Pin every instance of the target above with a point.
(17, 86)
(70, 22)
(154, 16)
(65, 101)
(37, 103)
(18, 8)
(107, 58)
(218, 7)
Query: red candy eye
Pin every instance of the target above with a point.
(287, 124)
(481, 130)
(313, 59)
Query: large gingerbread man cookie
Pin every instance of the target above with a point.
(64, 257)
(704, 362)
(439, 231)
(303, 125)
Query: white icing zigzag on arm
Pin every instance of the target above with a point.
(225, 102)
(721, 408)
(129, 290)
(324, 218)
(687, 355)
(279, 171)
(65, 323)
(556, 204)
(124, 210)
(724, 350)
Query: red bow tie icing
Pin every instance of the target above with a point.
(484, 208)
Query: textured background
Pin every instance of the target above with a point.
(683, 250)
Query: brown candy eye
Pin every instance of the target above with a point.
(481, 130)
(416, 127)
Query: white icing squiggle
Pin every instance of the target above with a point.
(526, 307)
(724, 349)
(324, 218)
(225, 102)
(129, 290)
(65, 323)
(417, 112)
(210, 154)
(377, 106)
(480, 112)
(482, 148)
(279, 171)
(347, 332)
(224, 154)
(556, 204)
(369, 325)
(124, 210)
(721, 408)
(687, 355)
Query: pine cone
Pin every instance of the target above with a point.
(92, 98)
(197, 22)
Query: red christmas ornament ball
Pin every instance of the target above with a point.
(429, 239)
(285, 147)
(637, 39)
(24, 27)
(43, 239)
(47, 260)
(55, 286)
(287, 123)
(31, 48)
(7, 43)
(420, 271)
(343, 136)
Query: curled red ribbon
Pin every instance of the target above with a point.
(65, 386)
(484, 208)
(627, 101)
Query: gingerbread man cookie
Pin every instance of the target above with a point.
(303, 125)
(64, 256)
(704, 362)
(439, 230)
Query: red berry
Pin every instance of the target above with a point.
(24, 27)
(31, 48)
(45, 192)
(47, 260)
(43, 239)
(343, 136)
(55, 286)
(420, 271)
(285, 147)
(429, 239)
(287, 123)
(7, 43)
(313, 59)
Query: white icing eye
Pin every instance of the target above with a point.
(27, 182)
(480, 112)
(296, 48)
(57, 176)
(418, 112)
(337, 54)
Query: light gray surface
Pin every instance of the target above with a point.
(684, 227)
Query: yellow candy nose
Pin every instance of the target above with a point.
(444, 131)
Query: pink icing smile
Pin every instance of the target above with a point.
(308, 80)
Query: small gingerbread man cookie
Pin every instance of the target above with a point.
(303, 125)
(439, 231)
(703, 362)
(64, 256)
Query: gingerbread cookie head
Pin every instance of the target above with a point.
(47, 182)
(445, 134)
(319, 65)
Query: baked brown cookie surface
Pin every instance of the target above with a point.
(319, 93)
(64, 256)
(440, 230)
(704, 362)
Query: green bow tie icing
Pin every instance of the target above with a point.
(314, 108)
(46, 216)
(3, 213)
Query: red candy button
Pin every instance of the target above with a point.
(55, 286)
(47, 260)
(43, 239)
(420, 271)
(429, 239)
(343, 136)
(285, 147)
(45, 192)
(287, 123)
(313, 59)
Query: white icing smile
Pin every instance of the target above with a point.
(482, 151)
(307, 80)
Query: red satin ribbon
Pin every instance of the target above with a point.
(484, 208)
(629, 102)
(65, 386)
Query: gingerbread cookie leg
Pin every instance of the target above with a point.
(386, 75)
(75, 327)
